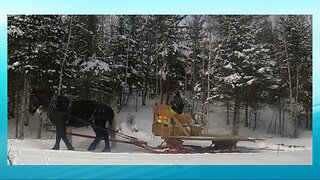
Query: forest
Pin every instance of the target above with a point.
(240, 62)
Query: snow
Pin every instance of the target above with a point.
(265, 50)
(228, 66)
(197, 88)
(96, 64)
(274, 86)
(250, 81)
(17, 63)
(239, 54)
(162, 73)
(32, 151)
(249, 50)
(134, 71)
(15, 30)
(233, 78)
(263, 70)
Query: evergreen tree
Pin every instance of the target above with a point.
(169, 49)
(194, 62)
(243, 61)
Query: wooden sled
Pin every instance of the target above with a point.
(178, 128)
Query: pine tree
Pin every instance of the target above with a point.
(148, 57)
(169, 50)
(243, 63)
(194, 63)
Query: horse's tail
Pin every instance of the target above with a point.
(112, 133)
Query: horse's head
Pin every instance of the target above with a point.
(38, 99)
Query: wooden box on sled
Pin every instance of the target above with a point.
(160, 130)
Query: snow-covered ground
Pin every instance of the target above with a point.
(37, 151)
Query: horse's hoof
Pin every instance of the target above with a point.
(91, 149)
(106, 150)
(55, 148)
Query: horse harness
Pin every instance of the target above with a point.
(52, 107)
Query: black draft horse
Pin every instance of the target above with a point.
(64, 112)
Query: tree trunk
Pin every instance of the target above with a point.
(307, 118)
(208, 85)
(228, 112)
(161, 85)
(246, 115)
(283, 124)
(235, 123)
(275, 122)
(291, 98)
(255, 119)
(157, 81)
(269, 126)
(127, 63)
(296, 104)
(209, 69)
(193, 88)
(310, 119)
(146, 79)
(64, 58)
(280, 115)
(250, 118)
(185, 81)
(136, 106)
(280, 129)
(61, 73)
(144, 92)
(255, 114)
(23, 115)
(290, 83)
(17, 112)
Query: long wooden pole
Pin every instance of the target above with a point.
(89, 136)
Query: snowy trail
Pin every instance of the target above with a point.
(30, 154)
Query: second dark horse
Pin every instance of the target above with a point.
(64, 112)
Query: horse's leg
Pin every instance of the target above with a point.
(58, 139)
(96, 140)
(113, 134)
(105, 135)
(65, 139)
